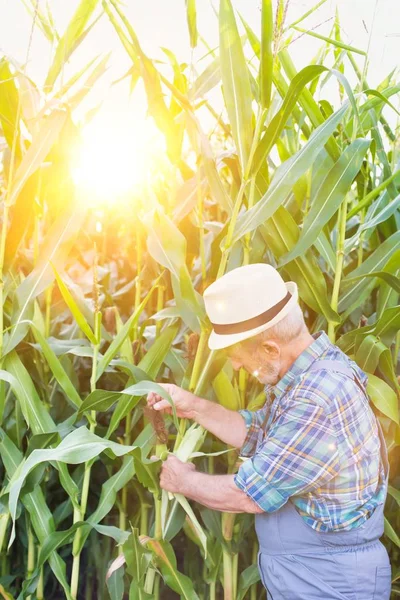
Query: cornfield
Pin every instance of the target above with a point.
(98, 308)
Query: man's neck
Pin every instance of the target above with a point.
(293, 350)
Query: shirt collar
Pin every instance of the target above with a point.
(320, 344)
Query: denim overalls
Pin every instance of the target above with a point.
(298, 563)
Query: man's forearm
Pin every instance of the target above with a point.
(227, 425)
(218, 492)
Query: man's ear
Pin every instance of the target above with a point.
(272, 349)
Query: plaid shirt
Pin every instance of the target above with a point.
(319, 445)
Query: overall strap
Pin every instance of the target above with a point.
(337, 365)
(332, 365)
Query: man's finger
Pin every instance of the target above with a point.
(161, 405)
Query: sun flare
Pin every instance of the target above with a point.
(114, 159)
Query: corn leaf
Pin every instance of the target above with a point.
(78, 447)
(281, 234)
(42, 143)
(57, 369)
(121, 336)
(180, 583)
(35, 504)
(56, 247)
(336, 43)
(266, 62)
(68, 42)
(278, 122)
(9, 102)
(236, 82)
(330, 196)
(192, 21)
(73, 307)
(383, 397)
(287, 175)
(375, 262)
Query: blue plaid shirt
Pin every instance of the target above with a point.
(316, 442)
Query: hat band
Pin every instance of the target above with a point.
(254, 322)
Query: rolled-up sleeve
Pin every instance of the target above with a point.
(254, 421)
(298, 454)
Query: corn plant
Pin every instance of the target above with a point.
(92, 322)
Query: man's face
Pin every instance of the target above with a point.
(261, 360)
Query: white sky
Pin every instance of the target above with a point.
(163, 23)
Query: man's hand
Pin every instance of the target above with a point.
(186, 403)
(174, 473)
(227, 425)
(218, 492)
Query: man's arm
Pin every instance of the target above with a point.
(227, 425)
(218, 492)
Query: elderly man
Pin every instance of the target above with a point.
(316, 470)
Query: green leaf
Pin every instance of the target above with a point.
(206, 81)
(57, 369)
(156, 354)
(75, 100)
(147, 473)
(227, 395)
(120, 479)
(39, 513)
(383, 397)
(390, 533)
(266, 61)
(150, 364)
(281, 234)
(247, 578)
(390, 279)
(73, 307)
(191, 21)
(235, 81)
(378, 94)
(55, 247)
(369, 352)
(352, 293)
(137, 557)
(115, 584)
(101, 400)
(181, 584)
(69, 40)
(110, 489)
(382, 215)
(286, 176)
(40, 147)
(306, 14)
(336, 43)
(121, 336)
(33, 410)
(330, 196)
(167, 245)
(373, 194)
(78, 447)
(9, 102)
(388, 324)
(189, 511)
(279, 121)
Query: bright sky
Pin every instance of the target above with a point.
(163, 23)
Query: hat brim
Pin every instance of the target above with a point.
(217, 341)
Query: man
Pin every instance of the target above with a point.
(316, 470)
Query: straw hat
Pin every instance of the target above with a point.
(246, 301)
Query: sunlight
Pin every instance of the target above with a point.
(115, 159)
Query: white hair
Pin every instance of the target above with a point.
(286, 330)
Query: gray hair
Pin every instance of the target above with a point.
(286, 330)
